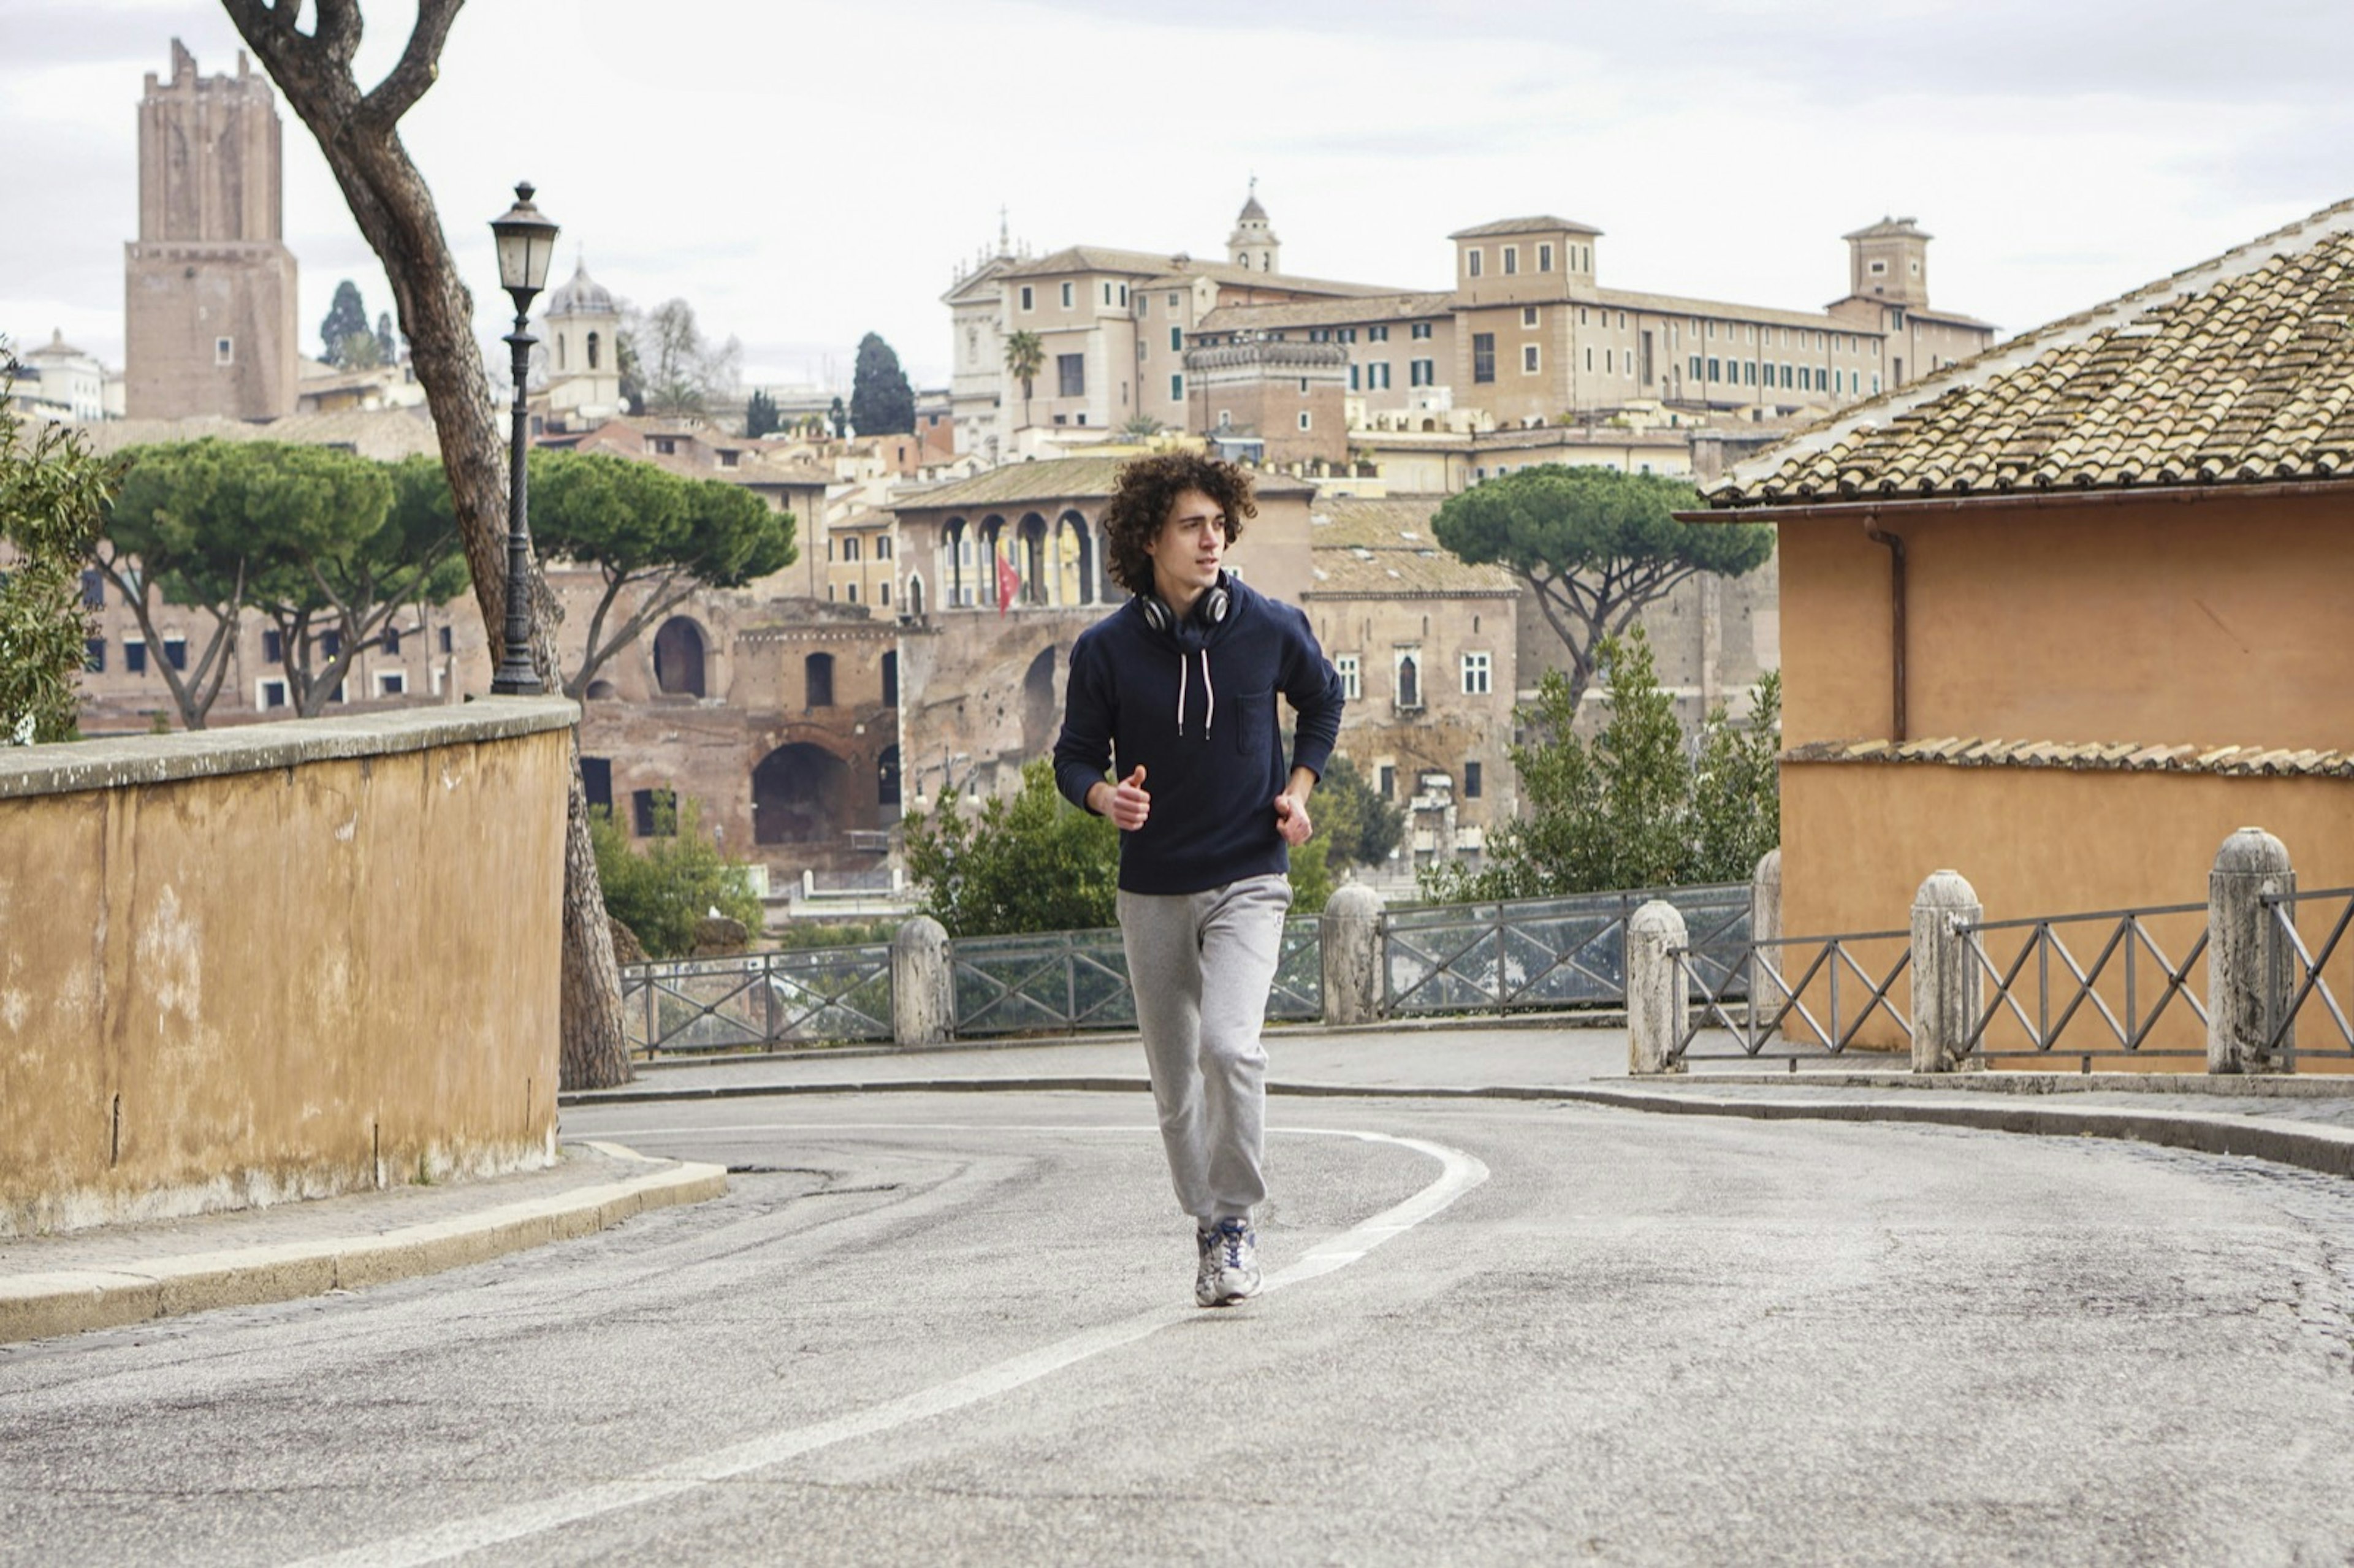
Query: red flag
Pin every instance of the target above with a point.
(1009, 583)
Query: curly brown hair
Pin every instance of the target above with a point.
(1143, 494)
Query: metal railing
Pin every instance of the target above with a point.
(2130, 966)
(1816, 1015)
(804, 996)
(1075, 981)
(2306, 975)
(1543, 953)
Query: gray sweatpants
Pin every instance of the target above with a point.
(1201, 964)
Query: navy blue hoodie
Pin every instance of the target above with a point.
(1195, 704)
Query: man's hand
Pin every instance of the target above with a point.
(1126, 803)
(1291, 819)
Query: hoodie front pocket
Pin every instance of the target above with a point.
(1254, 724)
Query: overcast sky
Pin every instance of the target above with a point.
(805, 173)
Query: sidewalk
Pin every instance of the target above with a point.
(114, 1274)
(128, 1273)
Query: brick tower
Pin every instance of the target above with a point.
(209, 311)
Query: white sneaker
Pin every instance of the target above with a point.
(1229, 1271)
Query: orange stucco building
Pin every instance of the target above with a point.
(2062, 617)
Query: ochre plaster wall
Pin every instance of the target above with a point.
(227, 990)
(2211, 622)
(1857, 838)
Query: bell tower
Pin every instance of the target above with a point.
(1252, 243)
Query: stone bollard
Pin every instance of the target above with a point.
(1351, 942)
(1765, 928)
(923, 984)
(1659, 1005)
(2247, 969)
(1947, 988)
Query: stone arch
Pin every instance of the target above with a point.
(956, 561)
(992, 544)
(1075, 565)
(886, 782)
(1039, 709)
(679, 658)
(1030, 560)
(602, 691)
(799, 791)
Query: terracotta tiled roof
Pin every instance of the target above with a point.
(1057, 478)
(1953, 751)
(1383, 547)
(1157, 268)
(2238, 370)
(1325, 313)
(385, 434)
(1542, 224)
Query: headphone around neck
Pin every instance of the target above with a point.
(1209, 609)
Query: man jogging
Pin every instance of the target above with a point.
(1174, 694)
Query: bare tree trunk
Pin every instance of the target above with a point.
(358, 133)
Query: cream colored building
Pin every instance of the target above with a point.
(1114, 326)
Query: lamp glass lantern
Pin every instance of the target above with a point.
(526, 243)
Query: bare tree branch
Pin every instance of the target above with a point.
(420, 65)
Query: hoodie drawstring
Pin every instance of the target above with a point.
(1209, 694)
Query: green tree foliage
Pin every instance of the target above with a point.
(1033, 863)
(760, 415)
(679, 878)
(881, 401)
(1631, 807)
(1358, 827)
(1594, 546)
(1737, 789)
(169, 533)
(1036, 862)
(652, 532)
(327, 545)
(1025, 357)
(53, 495)
(346, 322)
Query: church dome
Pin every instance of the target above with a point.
(582, 296)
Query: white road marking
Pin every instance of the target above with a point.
(1459, 1174)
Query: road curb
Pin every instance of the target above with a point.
(2306, 1146)
(36, 1306)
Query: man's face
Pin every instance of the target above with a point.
(1191, 545)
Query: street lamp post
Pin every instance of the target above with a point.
(526, 240)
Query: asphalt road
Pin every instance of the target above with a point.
(959, 1329)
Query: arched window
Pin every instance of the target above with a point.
(915, 595)
(1074, 560)
(679, 658)
(1409, 681)
(559, 351)
(798, 796)
(1031, 561)
(592, 350)
(817, 680)
(956, 556)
